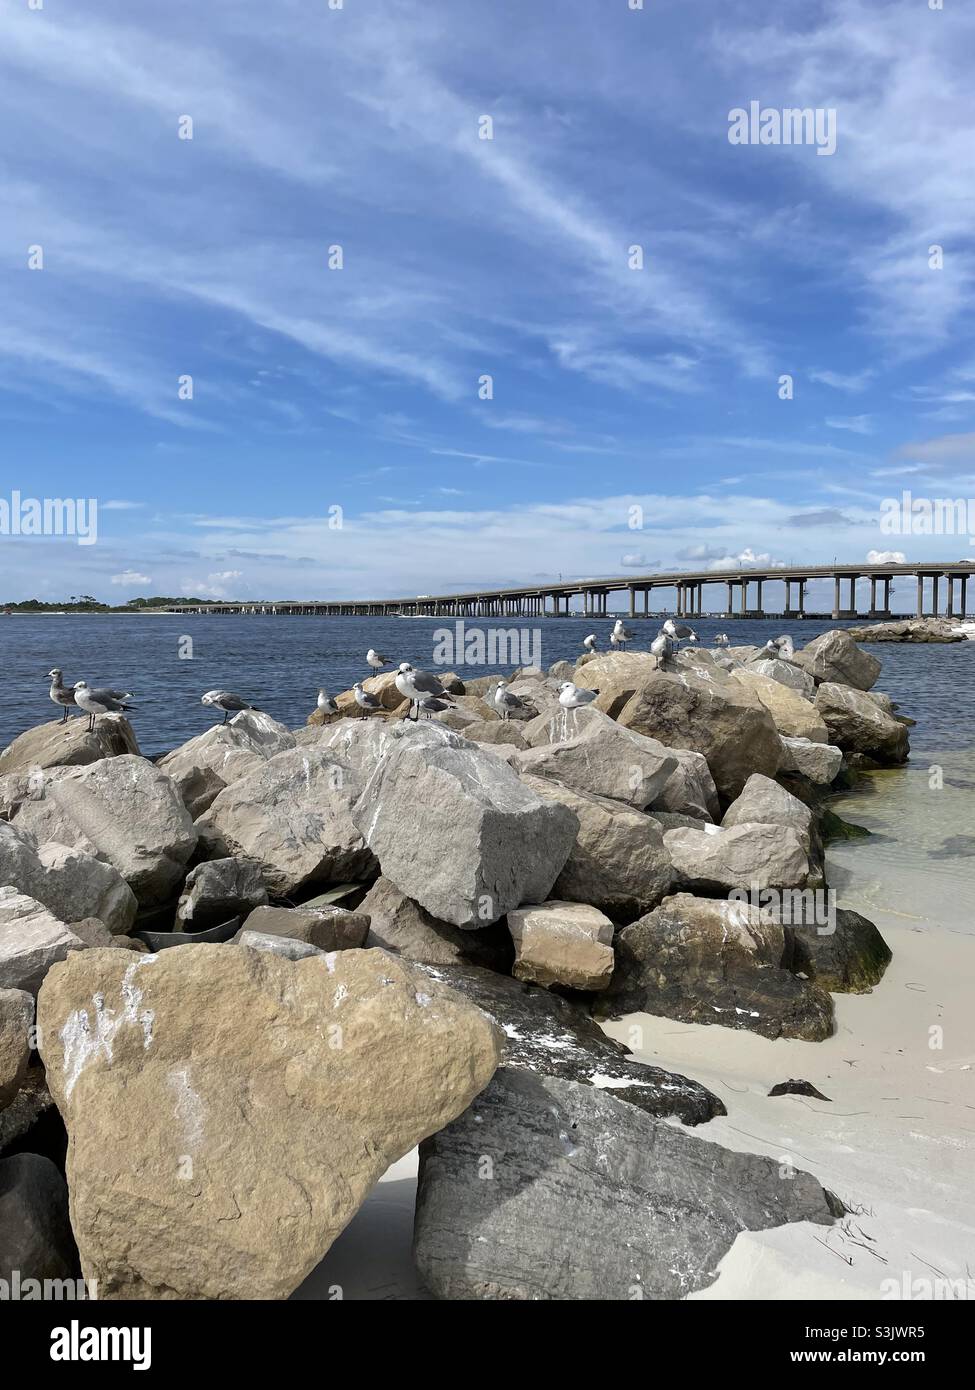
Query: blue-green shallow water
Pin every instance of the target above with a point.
(920, 861)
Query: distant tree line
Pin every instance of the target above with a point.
(85, 603)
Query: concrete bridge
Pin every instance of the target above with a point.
(740, 594)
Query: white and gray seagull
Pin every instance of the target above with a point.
(418, 686)
(589, 642)
(100, 701)
(721, 639)
(620, 635)
(504, 701)
(663, 648)
(61, 694)
(575, 696)
(325, 702)
(225, 700)
(431, 706)
(376, 660)
(680, 631)
(364, 700)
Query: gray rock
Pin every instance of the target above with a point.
(403, 927)
(27, 1114)
(35, 1235)
(278, 945)
(764, 802)
(132, 816)
(219, 889)
(588, 1198)
(496, 731)
(293, 816)
(744, 856)
(858, 726)
(835, 657)
(456, 830)
(708, 960)
(690, 789)
(223, 754)
(776, 668)
(545, 1033)
(619, 862)
(603, 758)
(16, 1023)
(70, 883)
(31, 941)
(819, 762)
(327, 928)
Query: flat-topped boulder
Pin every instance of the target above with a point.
(328, 928)
(715, 961)
(589, 1199)
(602, 757)
(835, 657)
(618, 862)
(458, 832)
(69, 744)
(225, 753)
(859, 726)
(561, 943)
(293, 816)
(228, 1110)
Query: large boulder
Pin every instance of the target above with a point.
(764, 802)
(836, 658)
(819, 763)
(712, 714)
(847, 955)
(792, 713)
(690, 789)
(603, 758)
(327, 928)
(382, 686)
(859, 726)
(456, 830)
(35, 1237)
(618, 863)
(547, 1034)
(710, 960)
(293, 816)
(128, 813)
(219, 889)
(783, 672)
(400, 925)
(588, 1199)
(228, 1110)
(714, 860)
(223, 754)
(68, 745)
(31, 941)
(569, 944)
(16, 1026)
(495, 731)
(71, 884)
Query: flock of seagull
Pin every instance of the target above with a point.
(425, 692)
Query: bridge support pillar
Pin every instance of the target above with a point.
(920, 596)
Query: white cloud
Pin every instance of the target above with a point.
(886, 557)
(131, 577)
(856, 424)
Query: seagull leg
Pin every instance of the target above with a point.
(64, 717)
(226, 715)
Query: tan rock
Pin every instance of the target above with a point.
(792, 714)
(221, 1161)
(560, 943)
(69, 745)
(16, 1024)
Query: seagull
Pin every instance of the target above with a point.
(575, 696)
(663, 647)
(325, 703)
(364, 700)
(504, 702)
(418, 685)
(431, 706)
(679, 630)
(620, 635)
(589, 642)
(376, 660)
(786, 646)
(722, 640)
(223, 699)
(100, 701)
(61, 694)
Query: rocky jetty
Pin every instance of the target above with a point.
(910, 630)
(269, 964)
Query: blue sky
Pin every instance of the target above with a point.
(357, 388)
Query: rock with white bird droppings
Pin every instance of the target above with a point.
(31, 941)
(223, 754)
(293, 817)
(588, 1198)
(458, 832)
(229, 1110)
